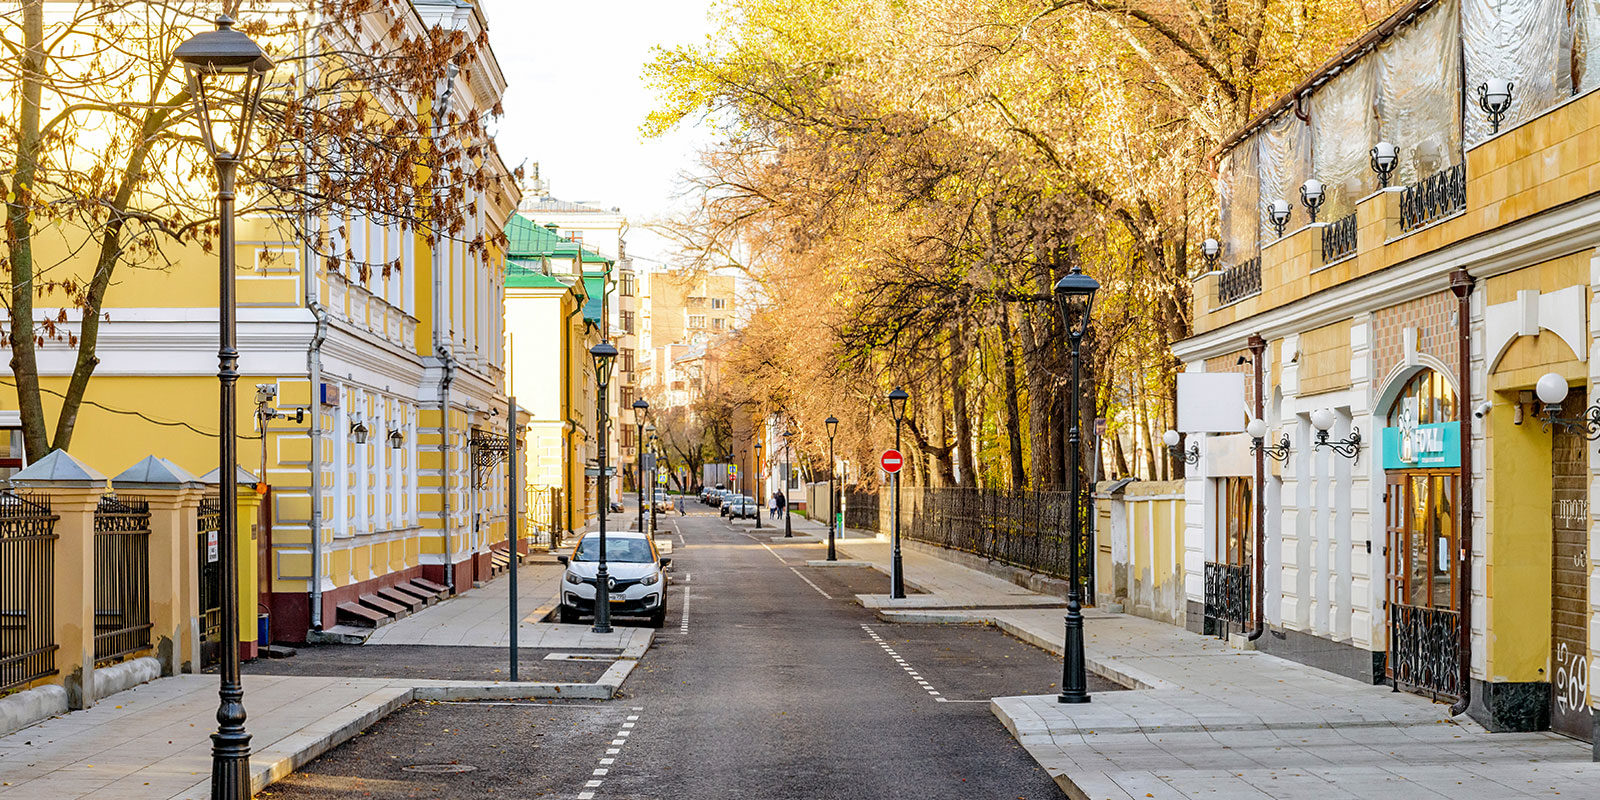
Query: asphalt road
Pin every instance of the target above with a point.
(768, 681)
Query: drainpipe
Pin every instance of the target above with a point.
(1461, 284)
(441, 344)
(314, 369)
(1258, 353)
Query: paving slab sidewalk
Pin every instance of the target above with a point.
(153, 741)
(1205, 719)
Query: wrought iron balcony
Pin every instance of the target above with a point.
(1435, 197)
(1339, 239)
(1424, 648)
(1240, 281)
(1227, 597)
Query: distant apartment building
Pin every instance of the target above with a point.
(682, 312)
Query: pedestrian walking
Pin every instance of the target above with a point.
(783, 505)
(681, 512)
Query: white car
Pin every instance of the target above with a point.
(636, 572)
(742, 507)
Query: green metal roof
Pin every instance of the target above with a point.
(523, 273)
(524, 239)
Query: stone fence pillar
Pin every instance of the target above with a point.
(174, 497)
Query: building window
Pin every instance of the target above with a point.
(718, 323)
(717, 302)
(626, 398)
(697, 321)
(627, 359)
(625, 285)
(11, 452)
(695, 302)
(626, 317)
(1235, 519)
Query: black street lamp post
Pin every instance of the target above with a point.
(783, 485)
(655, 473)
(759, 501)
(897, 573)
(640, 408)
(1075, 298)
(226, 71)
(604, 355)
(833, 427)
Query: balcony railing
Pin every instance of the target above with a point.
(1339, 239)
(1240, 281)
(1437, 196)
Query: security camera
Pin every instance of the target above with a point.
(266, 392)
(1483, 409)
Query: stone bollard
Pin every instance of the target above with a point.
(73, 490)
(174, 497)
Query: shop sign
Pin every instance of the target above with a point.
(1422, 446)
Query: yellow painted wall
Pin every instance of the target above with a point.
(1517, 550)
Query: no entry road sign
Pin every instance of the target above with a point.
(891, 461)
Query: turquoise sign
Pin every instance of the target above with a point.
(1422, 446)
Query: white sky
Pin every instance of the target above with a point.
(576, 97)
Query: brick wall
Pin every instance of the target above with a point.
(1434, 318)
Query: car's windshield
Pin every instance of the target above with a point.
(625, 550)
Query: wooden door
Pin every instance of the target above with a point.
(1569, 595)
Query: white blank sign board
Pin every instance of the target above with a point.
(1211, 402)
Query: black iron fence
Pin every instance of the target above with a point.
(861, 510)
(1227, 597)
(1339, 238)
(209, 540)
(1025, 529)
(121, 577)
(1424, 648)
(27, 595)
(1240, 281)
(1439, 195)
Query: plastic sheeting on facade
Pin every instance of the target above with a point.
(1344, 126)
(1236, 195)
(1283, 162)
(1585, 51)
(1520, 41)
(1419, 94)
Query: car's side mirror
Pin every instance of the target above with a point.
(666, 561)
(561, 558)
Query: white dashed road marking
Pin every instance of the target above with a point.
(813, 585)
(927, 687)
(598, 776)
(683, 622)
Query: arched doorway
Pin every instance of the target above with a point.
(1421, 461)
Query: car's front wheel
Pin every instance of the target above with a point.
(569, 616)
(659, 619)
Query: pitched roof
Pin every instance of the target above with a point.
(594, 308)
(524, 239)
(522, 273)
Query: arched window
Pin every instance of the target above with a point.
(1427, 397)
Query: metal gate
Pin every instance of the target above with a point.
(1424, 626)
(27, 589)
(209, 550)
(1569, 595)
(121, 577)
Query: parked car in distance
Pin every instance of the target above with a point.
(663, 501)
(716, 498)
(637, 572)
(742, 507)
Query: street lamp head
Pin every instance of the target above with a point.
(1257, 429)
(396, 440)
(641, 406)
(1551, 389)
(1171, 437)
(1312, 195)
(1278, 214)
(604, 355)
(1384, 160)
(226, 70)
(1075, 300)
(1322, 419)
(897, 404)
(358, 431)
(833, 425)
(1494, 97)
(1211, 250)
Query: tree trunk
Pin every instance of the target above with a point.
(19, 235)
(1019, 478)
(959, 406)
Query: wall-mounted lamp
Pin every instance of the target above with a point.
(1257, 430)
(359, 431)
(1190, 457)
(1350, 446)
(1552, 390)
(1278, 215)
(1385, 158)
(396, 440)
(1312, 195)
(1494, 97)
(1211, 250)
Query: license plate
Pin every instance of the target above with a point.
(619, 600)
